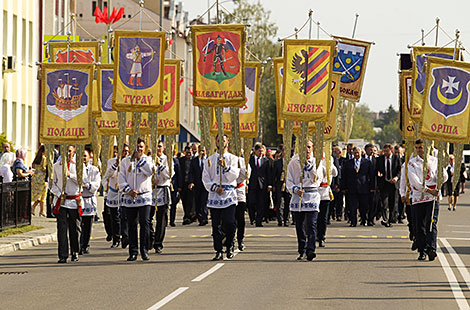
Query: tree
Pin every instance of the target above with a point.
(362, 125)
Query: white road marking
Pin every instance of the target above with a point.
(453, 283)
(208, 272)
(458, 262)
(168, 298)
(450, 238)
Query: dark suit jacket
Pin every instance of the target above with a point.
(260, 178)
(277, 173)
(382, 184)
(176, 179)
(374, 166)
(357, 182)
(336, 181)
(182, 162)
(195, 174)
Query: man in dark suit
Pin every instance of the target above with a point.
(195, 184)
(388, 173)
(260, 183)
(400, 154)
(357, 175)
(336, 210)
(282, 196)
(372, 196)
(177, 185)
(186, 193)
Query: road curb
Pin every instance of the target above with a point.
(29, 243)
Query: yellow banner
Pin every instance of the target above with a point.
(108, 122)
(139, 65)
(218, 62)
(446, 114)
(66, 104)
(168, 120)
(406, 125)
(331, 129)
(307, 79)
(249, 112)
(418, 56)
(48, 39)
(79, 52)
(351, 61)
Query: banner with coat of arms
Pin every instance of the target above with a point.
(278, 76)
(351, 61)
(78, 52)
(218, 62)
(418, 55)
(249, 112)
(66, 110)
(445, 116)
(306, 87)
(169, 119)
(139, 68)
(331, 128)
(406, 125)
(108, 122)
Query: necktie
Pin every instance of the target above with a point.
(356, 165)
(202, 164)
(257, 162)
(388, 169)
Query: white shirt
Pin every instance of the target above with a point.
(211, 180)
(6, 173)
(71, 187)
(161, 193)
(325, 190)
(91, 181)
(110, 183)
(415, 177)
(7, 158)
(241, 181)
(310, 182)
(139, 178)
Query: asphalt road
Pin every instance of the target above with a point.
(360, 268)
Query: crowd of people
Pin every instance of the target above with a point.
(361, 187)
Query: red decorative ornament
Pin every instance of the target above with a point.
(102, 17)
(181, 81)
(190, 91)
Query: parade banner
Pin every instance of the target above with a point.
(446, 114)
(249, 112)
(306, 85)
(330, 127)
(278, 76)
(351, 61)
(139, 65)
(218, 62)
(168, 120)
(406, 125)
(108, 122)
(79, 52)
(66, 110)
(49, 39)
(418, 55)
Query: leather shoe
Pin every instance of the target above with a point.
(186, 222)
(109, 238)
(145, 256)
(279, 224)
(352, 225)
(172, 224)
(158, 250)
(259, 225)
(414, 246)
(74, 257)
(218, 256)
(301, 256)
(422, 256)
(115, 244)
(432, 255)
(241, 246)
(321, 243)
(385, 224)
(311, 255)
(132, 258)
(62, 260)
(286, 224)
(229, 254)
(370, 223)
(86, 250)
(125, 243)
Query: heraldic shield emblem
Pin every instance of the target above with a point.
(107, 90)
(139, 65)
(169, 88)
(448, 94)
(67, 97)
(420, 59)
(312, 67)
(218, 52)
(350, 60)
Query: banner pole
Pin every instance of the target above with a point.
(437, 30)
(355, 25)
(310, 24)
(457, 36)
(141, 4)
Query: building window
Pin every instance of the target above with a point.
(23, 122)
(30, 127)
(23, 43)
(5, 33)
(30, 48)
(13, 116)
(4, 116)
(15, 34)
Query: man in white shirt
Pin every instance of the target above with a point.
(7, 157)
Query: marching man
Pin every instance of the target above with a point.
(305, 201)
(220, 179)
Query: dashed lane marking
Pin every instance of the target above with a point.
(208, 272)
(168, 298)
(458, 262)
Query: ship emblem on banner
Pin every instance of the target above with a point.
(351, 61)
(307, 79)
(139, 66)
(218, 60)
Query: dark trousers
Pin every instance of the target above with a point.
(347, 206)
(361, 202)
(409, 217)
(257, 204)
(112, 222)
(188, 203)
(338, 204)
(68, 220)
(401, 206)
(200, 201)
(387, 196)
(140, 214)
(323, 219)
(175, 198)
(87, 224)
(160, 226)
(426, 235)
(225, 217)
(306, 229)
(282, 206)
(372, 208)
(240, 219)
(124, 224)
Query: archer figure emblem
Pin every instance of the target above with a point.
(136, 70)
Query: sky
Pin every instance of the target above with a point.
(391, 24)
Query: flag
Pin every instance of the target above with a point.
(249, 111)
(79, 52)
(406, 125)
(307, 79)
(351, 61)
(218, 60)
(168, 120)
(330, 128)
(66, 107)
(445, 114)
(108, 122)
(139, 66)
(419, 54)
